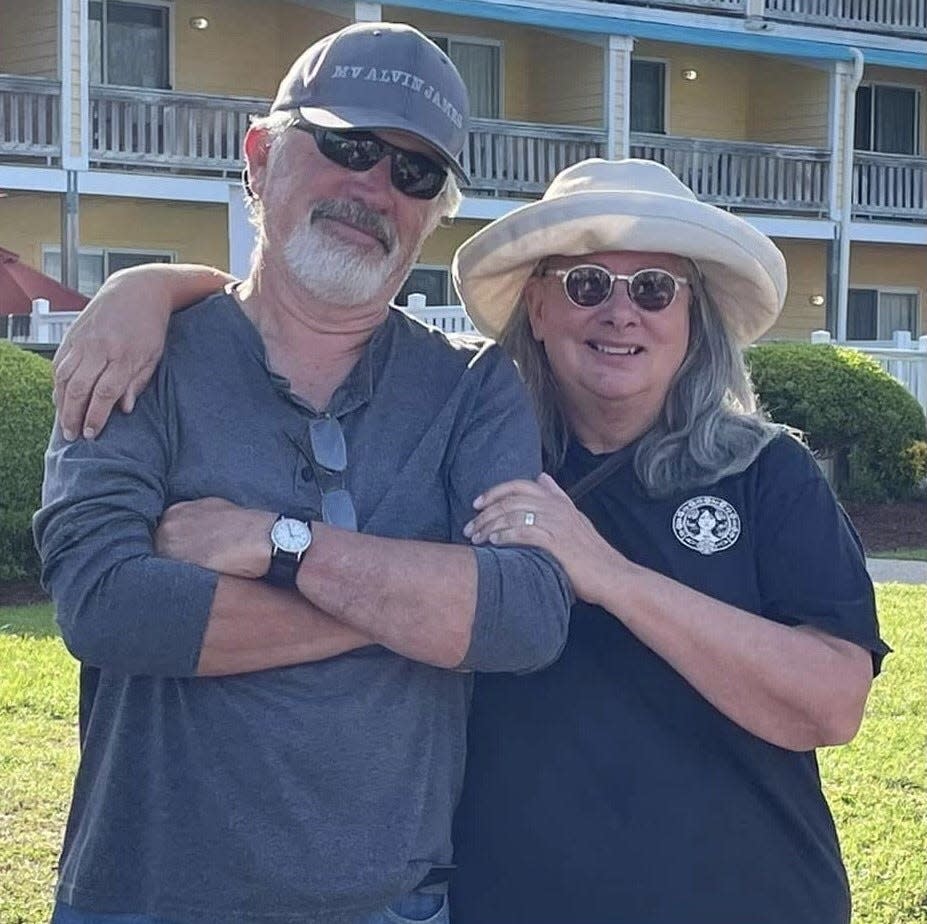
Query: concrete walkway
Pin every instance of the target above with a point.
(883, 570)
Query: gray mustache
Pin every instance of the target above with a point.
(359, 215)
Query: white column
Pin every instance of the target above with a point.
(367, 12)
(617, 94)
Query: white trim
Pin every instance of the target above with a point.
(666, 62)
(480, 40)
(33, 179)
(64, 75)
(84, 84)
(148, 186)
(687, 19)
(918, 104)
(439, 267)
(367, 12)
(834, 143)
(242, 235)
(887, 290)
(485, 208)
(803, 229)
(171, 37)
(884, 233)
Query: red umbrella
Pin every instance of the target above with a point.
(20, 283)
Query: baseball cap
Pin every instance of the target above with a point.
(381, 75)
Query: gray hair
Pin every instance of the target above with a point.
(446, 204)
(709, 426)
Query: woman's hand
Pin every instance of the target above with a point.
(539, 513)
(217, 534)
(111, 351)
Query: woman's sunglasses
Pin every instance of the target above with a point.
(589, 286)
(413, 174)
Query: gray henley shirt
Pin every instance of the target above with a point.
(313, 793)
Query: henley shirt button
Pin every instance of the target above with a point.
(306, 473)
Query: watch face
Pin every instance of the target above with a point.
(291, 535)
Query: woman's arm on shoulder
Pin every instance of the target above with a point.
(112, 350)
(795, 686)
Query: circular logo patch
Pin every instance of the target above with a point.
(706, 524)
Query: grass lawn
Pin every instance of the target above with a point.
(877, 785)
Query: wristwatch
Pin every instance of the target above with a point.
(290, 538)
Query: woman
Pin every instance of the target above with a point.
(663, 770)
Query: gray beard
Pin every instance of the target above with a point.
(335, 270)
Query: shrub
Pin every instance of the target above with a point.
(26, 416)
(850, 410)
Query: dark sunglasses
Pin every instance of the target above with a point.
(328, 457)
(589, 286)
(413, 174)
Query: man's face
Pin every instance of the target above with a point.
(348, 237)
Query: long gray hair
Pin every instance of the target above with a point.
(709, 426)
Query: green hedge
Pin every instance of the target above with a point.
(26, 416)
(850, 410)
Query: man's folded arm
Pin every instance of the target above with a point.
(484, 609)
(122, 608)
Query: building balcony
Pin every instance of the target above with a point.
(889, 186)
(904, 18)
(30, 118)
(744, 175)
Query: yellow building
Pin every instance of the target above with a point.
(121, 124)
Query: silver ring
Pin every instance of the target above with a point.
(529, 518)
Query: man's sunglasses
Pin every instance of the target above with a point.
(589, 286)
(328, 458)
(413, 174)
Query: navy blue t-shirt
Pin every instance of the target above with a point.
(605, 788)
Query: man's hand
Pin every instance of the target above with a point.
(216, 534)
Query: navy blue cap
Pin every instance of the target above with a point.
(381, 75)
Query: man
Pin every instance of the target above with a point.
(273, 704)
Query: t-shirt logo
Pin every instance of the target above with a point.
(706, 524)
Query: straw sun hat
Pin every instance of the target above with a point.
(607, 205)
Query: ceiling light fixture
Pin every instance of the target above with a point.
(199, 23)
(690, 73)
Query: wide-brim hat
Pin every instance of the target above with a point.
(605, 205)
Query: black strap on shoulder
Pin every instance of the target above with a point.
(591, 481)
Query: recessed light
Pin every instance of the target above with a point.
(199, 22)
(690, 73)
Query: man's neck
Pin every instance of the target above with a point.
(311, 342)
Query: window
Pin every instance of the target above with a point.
(129, 44)
(96, 265)
(431, 281)
(648, 96)
(873, 314)
(480, 66)
(886, 119)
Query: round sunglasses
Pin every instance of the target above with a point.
(413, 174)
(589, 286)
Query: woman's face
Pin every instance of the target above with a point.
(616, 352)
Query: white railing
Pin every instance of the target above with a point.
(41, 326)
(898, 16)
(521, 158)
(161, 129)
(889, 185)
(29, 117)
(452, 319)
(742, 174)
(905, 359)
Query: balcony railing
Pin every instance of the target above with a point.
(29, 117)
(521, 158)
(889, 186)
(906, 17)
(736, 174)
(42, 326)
(899, 17)
(161, 129)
